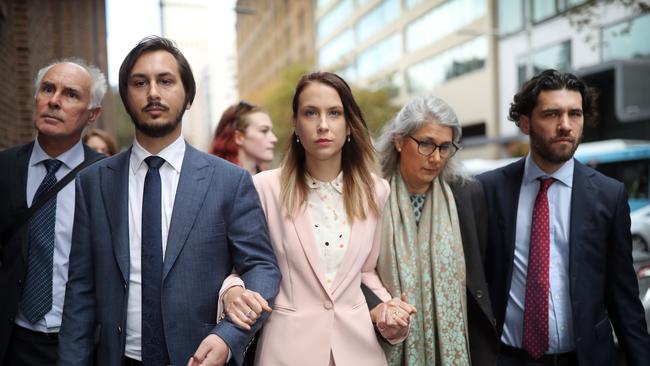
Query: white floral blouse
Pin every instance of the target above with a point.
(331, 227)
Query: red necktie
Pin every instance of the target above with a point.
(535, 340)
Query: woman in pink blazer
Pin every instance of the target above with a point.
(323, 209)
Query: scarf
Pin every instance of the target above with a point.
(426, 262)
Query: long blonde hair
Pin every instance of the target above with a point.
(357, 160)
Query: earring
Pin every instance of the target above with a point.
(297, 138)
(348, 138)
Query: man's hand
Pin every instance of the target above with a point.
(244, 307)
(213, 351)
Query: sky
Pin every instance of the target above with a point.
(129, 21)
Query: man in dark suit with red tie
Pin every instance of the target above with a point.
(559, 263)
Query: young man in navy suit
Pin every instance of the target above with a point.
(559, 263)
(157, 230)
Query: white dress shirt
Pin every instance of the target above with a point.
(170, 172)
(559, 309)
(36, 171)
(331, 227)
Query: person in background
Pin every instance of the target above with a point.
(34, 258)
(100, 141)
(323, 208)
(433, 240)
(245, 137)
(560, 271)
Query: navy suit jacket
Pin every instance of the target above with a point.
(217, 224)
(603, 286)
(13, 255)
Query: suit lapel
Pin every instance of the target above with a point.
(22, 166)
(514, 174)
(583, 190)
(361, 233)
(305, 233)
(193, 185)
(114, 181)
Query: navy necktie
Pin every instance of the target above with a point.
(37, 295)
(154, 349)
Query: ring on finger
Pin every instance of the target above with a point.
(248, 313)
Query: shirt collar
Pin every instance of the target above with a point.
(564, 174)
(173, 154)
(70, 158)
(314, 183)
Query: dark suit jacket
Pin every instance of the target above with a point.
(604, 288)
(13, 257)
(217, 224)
(472, 215)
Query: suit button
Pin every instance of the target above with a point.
(479, 294)
(11, 320)
(119, 329)
(20, 283)
(328, 305)
(125, 285)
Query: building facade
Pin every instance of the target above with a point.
(443, 48)
(610, 51)
(271, 36)
(32, 34)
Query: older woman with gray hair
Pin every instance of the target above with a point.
(433, 239)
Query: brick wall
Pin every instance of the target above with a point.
(32, 34)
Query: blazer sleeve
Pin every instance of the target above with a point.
(622, 299)
(76, 336)
(369, 275)
(253, 258)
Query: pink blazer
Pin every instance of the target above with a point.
(309, 318)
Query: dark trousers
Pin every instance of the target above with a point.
(29, 348)
(510, 356)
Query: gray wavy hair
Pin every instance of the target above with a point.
(414, 115)
(97, 85)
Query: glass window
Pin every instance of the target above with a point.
(623, 43)
(322, 3)
(412, 3)
(376, 19)
(543, 9)
(555, 57)
(332, 20)
(443, 20)
(460, 60)
(379, 56)
(348, 73)
(336, 48)
(511, 15)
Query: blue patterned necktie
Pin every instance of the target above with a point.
(154, 349)
(37, 295)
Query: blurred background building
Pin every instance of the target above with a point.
(32, 34)
(418, 47)
(473, 53)
(272, 36)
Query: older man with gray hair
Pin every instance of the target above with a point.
(37, 213)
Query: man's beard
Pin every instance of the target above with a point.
(545, 150)
(158, 129)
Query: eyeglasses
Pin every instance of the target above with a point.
(427, 148)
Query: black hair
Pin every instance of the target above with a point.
(526, 98)
(156, 43)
